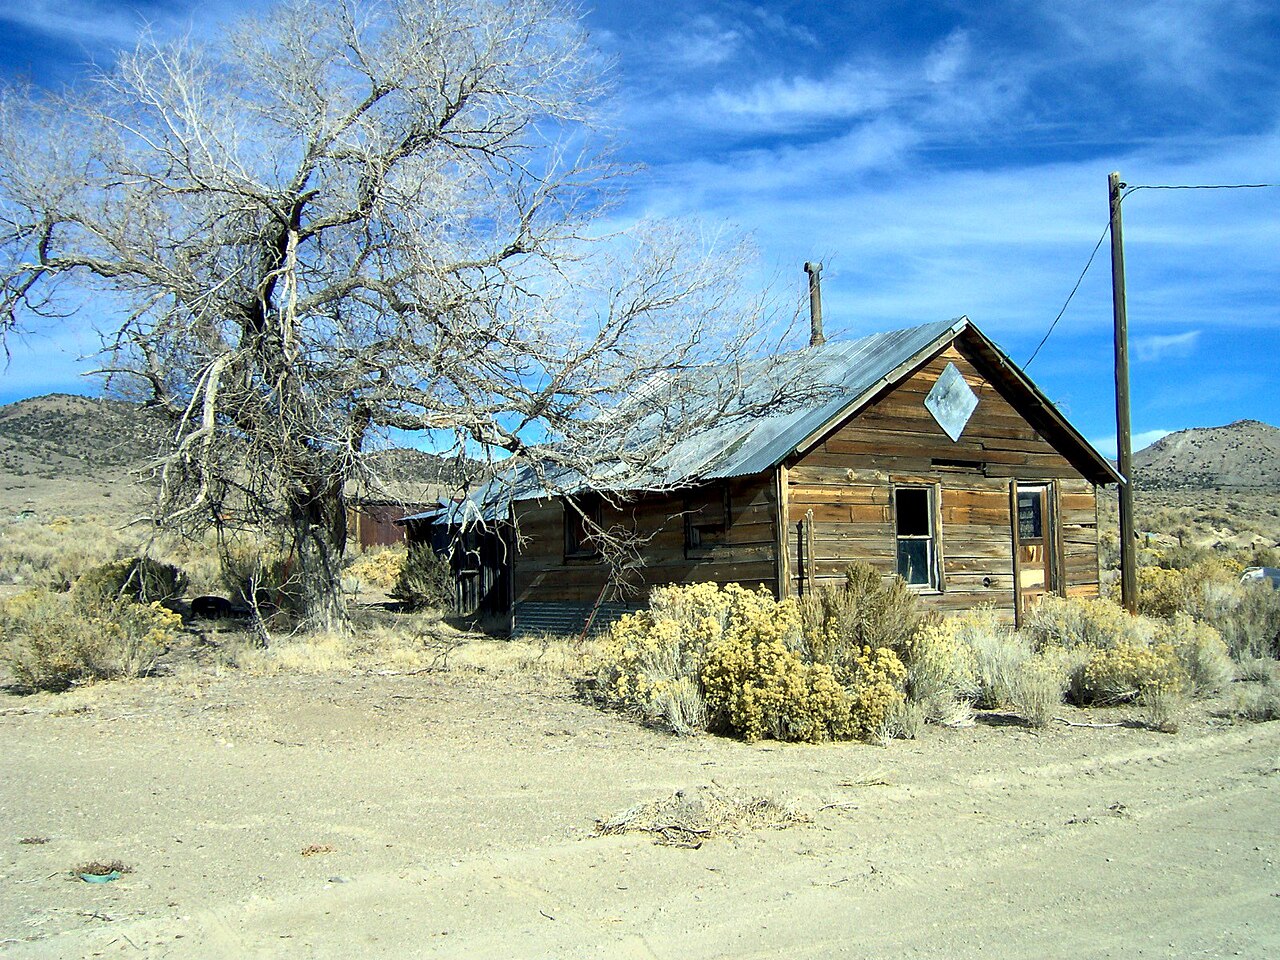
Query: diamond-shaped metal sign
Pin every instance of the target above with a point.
(952, 402)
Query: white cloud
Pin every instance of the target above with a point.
(701, 42)
(103, 23)
(1161, 346)
(82, 20)
(948, 59)
(930, 88)
(1169, 41)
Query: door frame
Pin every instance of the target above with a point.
(1051, 522)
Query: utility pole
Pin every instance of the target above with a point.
(1124, 443)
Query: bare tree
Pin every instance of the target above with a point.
(348, 218)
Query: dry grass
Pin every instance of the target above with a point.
(1256, 702)
(60, 549)
(687, 818)
(421, 643)
(1161, 706)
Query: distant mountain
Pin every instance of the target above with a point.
(70, 454)
(66, 436)
(1241, 454)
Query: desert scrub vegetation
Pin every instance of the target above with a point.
(861, 660)
(651, 661)
(738, 661)
(378, 567)
(1208, 590)
(55, 640)
(59, 550)
(142, 579)
(424, 580)
(416, 643)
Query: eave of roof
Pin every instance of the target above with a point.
(854, 373)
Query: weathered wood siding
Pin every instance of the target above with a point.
(746, 555)
(847, 481)
(374, 524)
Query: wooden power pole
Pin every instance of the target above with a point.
(1124, 442)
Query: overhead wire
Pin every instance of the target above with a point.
(1079, 280)
(1129, 190)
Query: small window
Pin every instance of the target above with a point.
(707, 517)
(581, 527)
(913, 519)
(1030, 515)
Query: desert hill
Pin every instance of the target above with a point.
(63, 435)
(1244, 454)
(70, 455)
(74, 455)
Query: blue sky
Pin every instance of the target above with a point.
(941, 158)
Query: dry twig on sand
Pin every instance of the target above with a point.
(689, 817)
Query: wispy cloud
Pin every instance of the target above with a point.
(869, 86)
(1161, 346)
(85, 21)
(701, 41)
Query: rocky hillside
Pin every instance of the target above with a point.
(60, 435)
(65, 454)
(1242, 454)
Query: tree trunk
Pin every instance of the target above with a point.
(319, 522)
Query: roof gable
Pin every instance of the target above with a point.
(816, 389)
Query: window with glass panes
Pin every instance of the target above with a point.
(913, 522)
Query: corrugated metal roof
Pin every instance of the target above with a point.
(753, 415)
(826, 380)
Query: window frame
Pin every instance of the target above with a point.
(933, 537)
(579, 542)
(702, 519)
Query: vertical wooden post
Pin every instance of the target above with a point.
(1124, 441)
(809, 571)
(1058, 580)
(782, 526)
(1017, 553)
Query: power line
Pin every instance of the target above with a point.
(1098, 245)
(1199, 186)
(1079, 280)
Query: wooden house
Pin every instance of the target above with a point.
(926, 453)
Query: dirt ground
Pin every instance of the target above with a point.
(451, 815)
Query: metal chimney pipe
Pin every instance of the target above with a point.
(814, 270)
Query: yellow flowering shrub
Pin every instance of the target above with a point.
(940, 666)
(53, 641)
(875, 691)
(1127, 672)
(651, 661)
(378, 568)
(705, 655)
(759, 686)
(1161, 592)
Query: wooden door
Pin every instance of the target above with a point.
(1034, 540)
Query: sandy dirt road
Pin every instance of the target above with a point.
(460, 808)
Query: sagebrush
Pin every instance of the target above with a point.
(55, 640)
